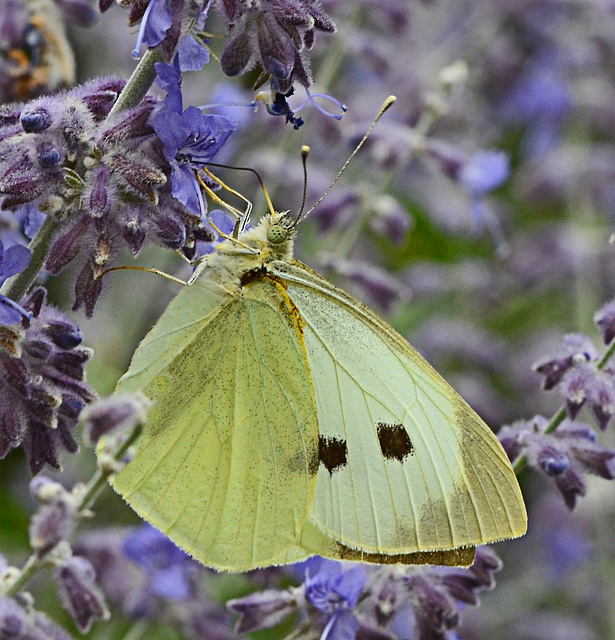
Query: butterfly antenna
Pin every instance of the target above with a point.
(385, 106)
(255, 172)
(305, 151)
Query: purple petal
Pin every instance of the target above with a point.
(192, 55)
(14, 259)
(171, 583)
(342, 626)
(169, 79)
(158, 22)
(350, 585)
(185, 187)
(10, 312)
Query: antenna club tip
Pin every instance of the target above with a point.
(388, 102)
(305, 150)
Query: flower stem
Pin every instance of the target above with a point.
(16, 287)
(28, 571)
(99, 480)
(139, 82)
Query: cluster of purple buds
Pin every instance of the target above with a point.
(578, 374)
(20, 620)
(43, 387)
(105, 180)
(277, 35)
(353, 601)
(566, 455)
(564, 448)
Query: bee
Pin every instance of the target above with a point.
(35, 55)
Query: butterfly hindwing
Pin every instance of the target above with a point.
(405, 464)
(226, 466)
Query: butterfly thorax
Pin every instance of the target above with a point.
(270, 240)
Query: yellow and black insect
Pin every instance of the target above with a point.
(35, 55)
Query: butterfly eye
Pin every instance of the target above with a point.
(276, 234)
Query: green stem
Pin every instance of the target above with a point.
(99, 480)
(139, 82)
(30, 569)
(17, 286)
(560, 415)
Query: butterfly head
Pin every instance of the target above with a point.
(272, 238)
(280, 228)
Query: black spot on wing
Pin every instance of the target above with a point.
(333, 453)
(395, 442)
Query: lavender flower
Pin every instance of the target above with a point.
(604, 319)
(114, 414)
(147, 576)
(171, 24)
(376, 284)
(478, 174)
(436, 594)
(335, 593)
(190, 139)
(80, 595)
(56, 519)
(17, 622)
(263, 609)
(346, 601)
(574, 371)
(108, 180)
(567, 455)
(43, 387)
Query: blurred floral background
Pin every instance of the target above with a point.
(478, 219)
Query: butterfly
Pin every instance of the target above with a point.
(289, 420)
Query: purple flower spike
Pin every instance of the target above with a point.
(43, 387)
(567, 455)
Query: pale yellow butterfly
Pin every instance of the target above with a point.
(289, 420)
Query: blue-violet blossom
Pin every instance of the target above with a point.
(190, 138)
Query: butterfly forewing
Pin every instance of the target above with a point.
(227, 464)
(405, 464)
